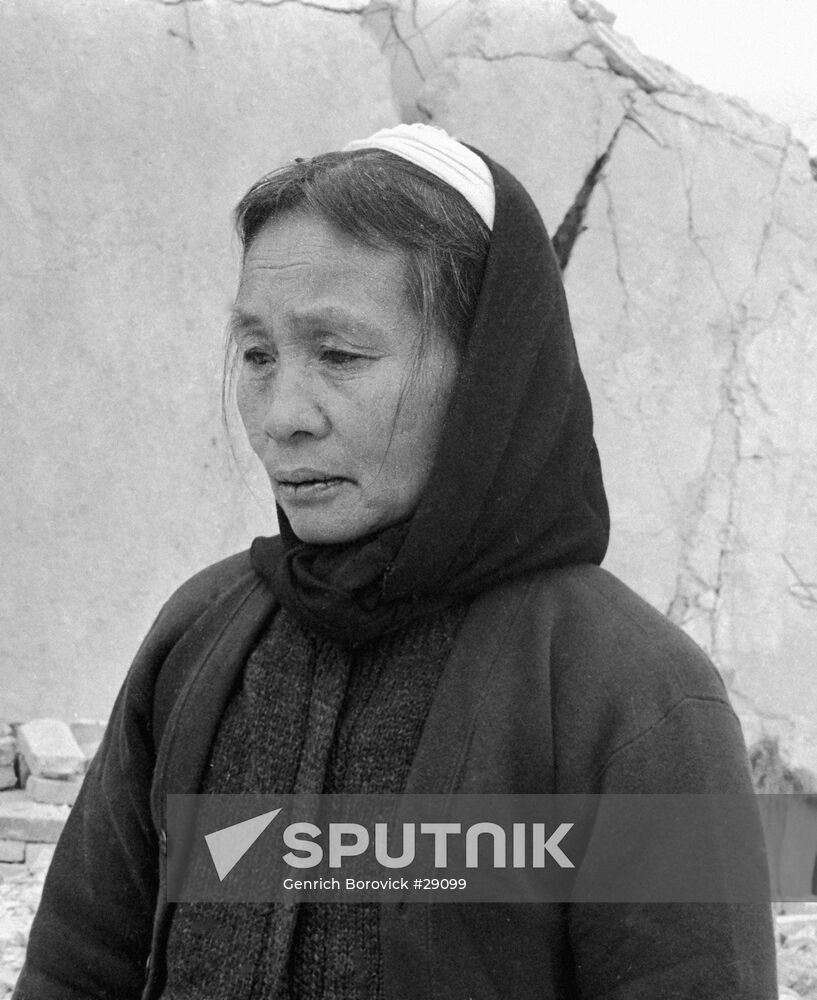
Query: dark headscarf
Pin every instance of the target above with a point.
(516, 485)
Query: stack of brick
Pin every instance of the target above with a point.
(54, 761)
(47, 758)
(28, 831)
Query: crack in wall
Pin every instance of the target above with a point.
(572, 225)
(613, 228)
(730, 417)
(187, 35)
(743, 137)
(328, 7)
(625, 59)
(401, 40)
(748, 319)
(695, 239)
(643, 127)
(393, 9)
(767, 225)
(700, 595)
(735, 383)
(559, 56)
(408, 41)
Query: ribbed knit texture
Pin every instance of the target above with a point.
(310, 716)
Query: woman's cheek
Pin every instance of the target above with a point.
(251, 410)
(374, 416)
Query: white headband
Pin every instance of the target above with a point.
(433, 149)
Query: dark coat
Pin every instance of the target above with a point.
(562, 682)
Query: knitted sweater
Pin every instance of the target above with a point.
(345, 722)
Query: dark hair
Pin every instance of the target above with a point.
(387, 203)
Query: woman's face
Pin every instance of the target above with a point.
(337, 406)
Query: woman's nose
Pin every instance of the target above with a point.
(294, 406)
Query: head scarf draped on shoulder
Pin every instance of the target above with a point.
(516, 486)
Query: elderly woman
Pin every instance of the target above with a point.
(431, 618)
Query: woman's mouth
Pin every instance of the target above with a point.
(305, 485)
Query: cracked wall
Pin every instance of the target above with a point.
(129, 131)
(692, 282)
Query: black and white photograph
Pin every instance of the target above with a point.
(409, 520)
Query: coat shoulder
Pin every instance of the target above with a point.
(631, 700)
(189, 603)
(601, 628)
(202, 590)
(619, 674)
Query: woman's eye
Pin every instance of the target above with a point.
(256, 358)
(339, 358)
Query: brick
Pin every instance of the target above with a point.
(10, 870)
(55, 791)
(12, 850)
(23, 819)
(8, 749)
(8, 776)
(38, 856)
(50, 749)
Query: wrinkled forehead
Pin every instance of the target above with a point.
(301, 267)
(304, 252)
(305, 226)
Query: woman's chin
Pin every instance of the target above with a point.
(325, 530)
(318, 536)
